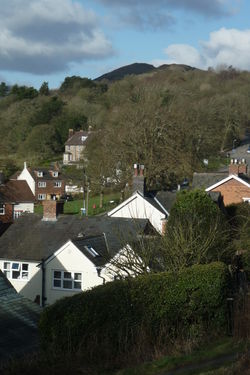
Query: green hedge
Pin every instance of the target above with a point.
(118, 317)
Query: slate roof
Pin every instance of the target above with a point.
(162, 200)
(76, 138)
(18, 322)
(99, 244)
(16, 191)
(204, 180)
(31, 239)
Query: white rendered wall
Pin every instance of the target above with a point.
(138, 208)
(69, 258)
(31, 287)
(25, 175)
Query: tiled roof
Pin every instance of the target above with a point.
(36, 239)
(204, 180)
(18, 322)
(16, 191)
(47, 175)
(76, 138)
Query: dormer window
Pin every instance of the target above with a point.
(55, 173)
(83, 138)
(39, 174)
(91, 251)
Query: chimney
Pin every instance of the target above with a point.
(25, 165)
(138, 183)
(51, 209)
(163, 226)
(238, 167)
(71, 132)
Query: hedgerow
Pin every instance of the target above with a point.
(130, 315)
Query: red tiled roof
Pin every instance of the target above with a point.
(16, 191)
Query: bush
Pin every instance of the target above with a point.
(135, 315)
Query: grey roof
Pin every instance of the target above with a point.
(46, 174)
(204, 180)
(162, 200)
(31, 239)
(76, 138)
(18, 322)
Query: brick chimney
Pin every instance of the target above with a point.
(238, 167)
(71, 132)
(51, 209)
(138, 183)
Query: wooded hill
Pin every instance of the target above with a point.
(169, 119)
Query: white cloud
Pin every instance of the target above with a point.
(224, 47)
(44, 36)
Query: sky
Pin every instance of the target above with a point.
(48, 40)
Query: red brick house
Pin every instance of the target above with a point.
(44, 183)
(233, 186)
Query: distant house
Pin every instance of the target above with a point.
(15, 199)
(234, 185)
(18, 323)
(56, 256)
(154, 206)
(45, 183)
(75, 146)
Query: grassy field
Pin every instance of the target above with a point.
(74, 207)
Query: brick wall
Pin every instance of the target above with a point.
(50, 188)
(8, 217)
(51, 209)
(233, 191)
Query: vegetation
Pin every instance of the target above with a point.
(137, 317)
(169, 120)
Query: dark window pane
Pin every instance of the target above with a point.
(67, 275)
(25, 275)
(25, 267)
(78, 276)
(6, 265)
(57, 274)
(57, 283)
(15, 274)
(67, 284)
(77, 285)
(15, 266)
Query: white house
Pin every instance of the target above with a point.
(49, 258)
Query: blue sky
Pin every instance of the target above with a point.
(47, 40)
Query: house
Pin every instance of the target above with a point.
(154, 206)
(15, 199)
(234, 185)
(50, 257)
(45, 183)
(75, 146)
(18, 323)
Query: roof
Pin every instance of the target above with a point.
(76, 138)
(99, 245)
(203, 180)
(31, 239)
(46, 174)
(18, 321)
(16, 191)
(162, 200)
(232, 176)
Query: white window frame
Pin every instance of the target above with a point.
(71, 277)
(58, 184)
(55, 174)
(20, 267)
(17, 213)
(41, 184)
(247, 199)
(39, 174)
(2, 209)
(41, 197)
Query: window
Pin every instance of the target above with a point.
(41, 197)
(83, 138)
(16, 270)
(91, 251)
(55, 174)
(58, 184)
(39, 174)
(2, 209)
(42, 184)
(67, 280)
(17, 214)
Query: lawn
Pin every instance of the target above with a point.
(74, 207)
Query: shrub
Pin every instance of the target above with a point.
(135, 315)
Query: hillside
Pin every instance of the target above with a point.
(169, 119)
(120, 73)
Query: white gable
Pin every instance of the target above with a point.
(137, 207)
(25, 175)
